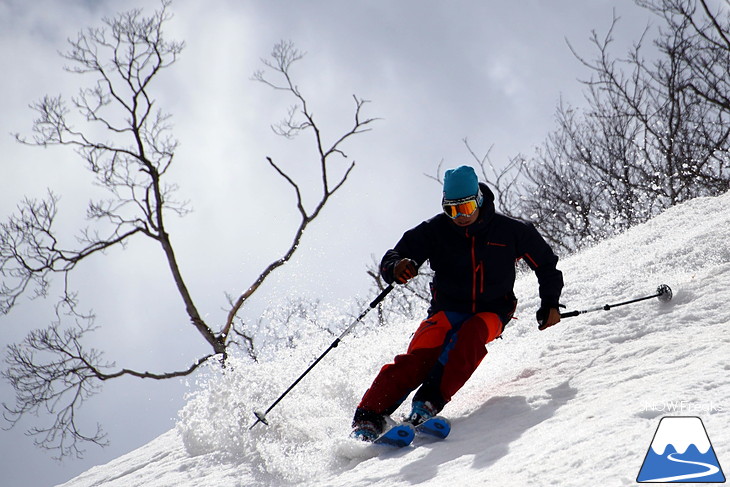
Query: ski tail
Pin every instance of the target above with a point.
(436, 426)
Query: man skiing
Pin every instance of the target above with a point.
(472, 251)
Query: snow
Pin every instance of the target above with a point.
(574, 405)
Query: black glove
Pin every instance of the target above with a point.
(547, 317)
(404, 271)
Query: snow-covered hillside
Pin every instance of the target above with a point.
(575, 405)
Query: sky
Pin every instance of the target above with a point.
(434, 73)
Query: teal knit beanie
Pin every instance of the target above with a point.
(460, 183)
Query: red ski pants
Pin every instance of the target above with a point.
(443, 353)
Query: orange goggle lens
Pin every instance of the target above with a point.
(465, 208)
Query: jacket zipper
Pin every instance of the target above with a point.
(474, 278)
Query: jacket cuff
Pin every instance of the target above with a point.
(386, 271)
(548, 304)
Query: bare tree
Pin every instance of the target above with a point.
(126, 142)
(646, 141)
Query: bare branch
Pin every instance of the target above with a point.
(52, 371)
(301, 118)
(30, 252)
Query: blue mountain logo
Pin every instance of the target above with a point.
(681, 452)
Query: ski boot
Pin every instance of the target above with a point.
(367, 426)
(421, 411)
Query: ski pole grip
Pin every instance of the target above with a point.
(569, 314)
(381, 296)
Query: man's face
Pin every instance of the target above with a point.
(465, 221)
(464, 211)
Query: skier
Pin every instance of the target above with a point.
(472, 251)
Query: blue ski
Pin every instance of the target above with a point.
(399, 436)
(438, 427)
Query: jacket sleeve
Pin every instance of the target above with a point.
(541, 259)
(414, 245)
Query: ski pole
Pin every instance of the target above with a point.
(663, 292)
(261, 417)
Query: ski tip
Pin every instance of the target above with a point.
(400, 435)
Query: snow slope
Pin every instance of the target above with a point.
(575, 405)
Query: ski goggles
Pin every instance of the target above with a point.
(461, 207)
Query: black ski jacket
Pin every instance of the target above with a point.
(474, 266)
